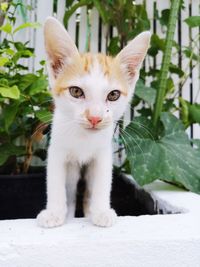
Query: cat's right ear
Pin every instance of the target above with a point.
(59, 46)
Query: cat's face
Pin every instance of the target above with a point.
(92, 90)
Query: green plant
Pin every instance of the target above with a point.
(24, 98)
(156, 144)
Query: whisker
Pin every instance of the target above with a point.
(131, 138)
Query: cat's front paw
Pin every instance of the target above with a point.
(104, 218)
(48, 218)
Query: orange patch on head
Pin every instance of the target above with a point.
(84, 64)
(105, 62)
(112, 70)
(87, 61)
(71, 71)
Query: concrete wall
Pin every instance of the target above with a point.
(153, 241)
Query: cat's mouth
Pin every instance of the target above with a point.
(97, 127)
(94, 129)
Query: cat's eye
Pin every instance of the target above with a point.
(76, 92)
(113, 95)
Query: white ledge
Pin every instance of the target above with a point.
(150, 240)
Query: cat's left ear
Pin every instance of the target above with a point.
(132, 55)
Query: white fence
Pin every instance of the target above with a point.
(78, 27)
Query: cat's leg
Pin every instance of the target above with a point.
(99, 180)
(56, 208)
(73, 175)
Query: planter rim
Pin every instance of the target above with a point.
(23, 176)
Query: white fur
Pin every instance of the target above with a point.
(73, 144)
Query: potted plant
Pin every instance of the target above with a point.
(24, 111)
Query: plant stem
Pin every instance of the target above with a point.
(166, 61)
(29, 155)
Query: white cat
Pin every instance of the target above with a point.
(91, 92)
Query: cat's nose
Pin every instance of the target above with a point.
(94, 120)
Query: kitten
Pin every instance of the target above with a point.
(91, 92)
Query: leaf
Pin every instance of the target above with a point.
(26, 80)
(196, 143)
(8, 149)
(170, 157)
(175, 69)
(190, 113)
(10, 92)
(194, 112)
(170, 86)
(114, 46)
(9, 51)
(44, 115)
(3, 82)
(189, 53)
(73, 9)
(3, 61)
(68, 3)
(148, 94)
(102, 11)
(184, 112)
(4, 6)
(33, 25)
(6, 28)
(193, 21)
(9, 114)
(164, 19)
(22, 54)
(41, 84)
(157, 44)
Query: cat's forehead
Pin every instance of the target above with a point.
(88, 64)
(106, 64)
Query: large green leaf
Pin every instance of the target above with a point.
(196, 143)
(10, 92)
(171, 157)
(148, 94)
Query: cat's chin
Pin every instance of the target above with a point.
(94, 130)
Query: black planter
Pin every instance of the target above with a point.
(24, 196)
(126, 198)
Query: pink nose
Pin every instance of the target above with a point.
(94, 120)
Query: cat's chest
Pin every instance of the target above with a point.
(83, 149)
(82, 156)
